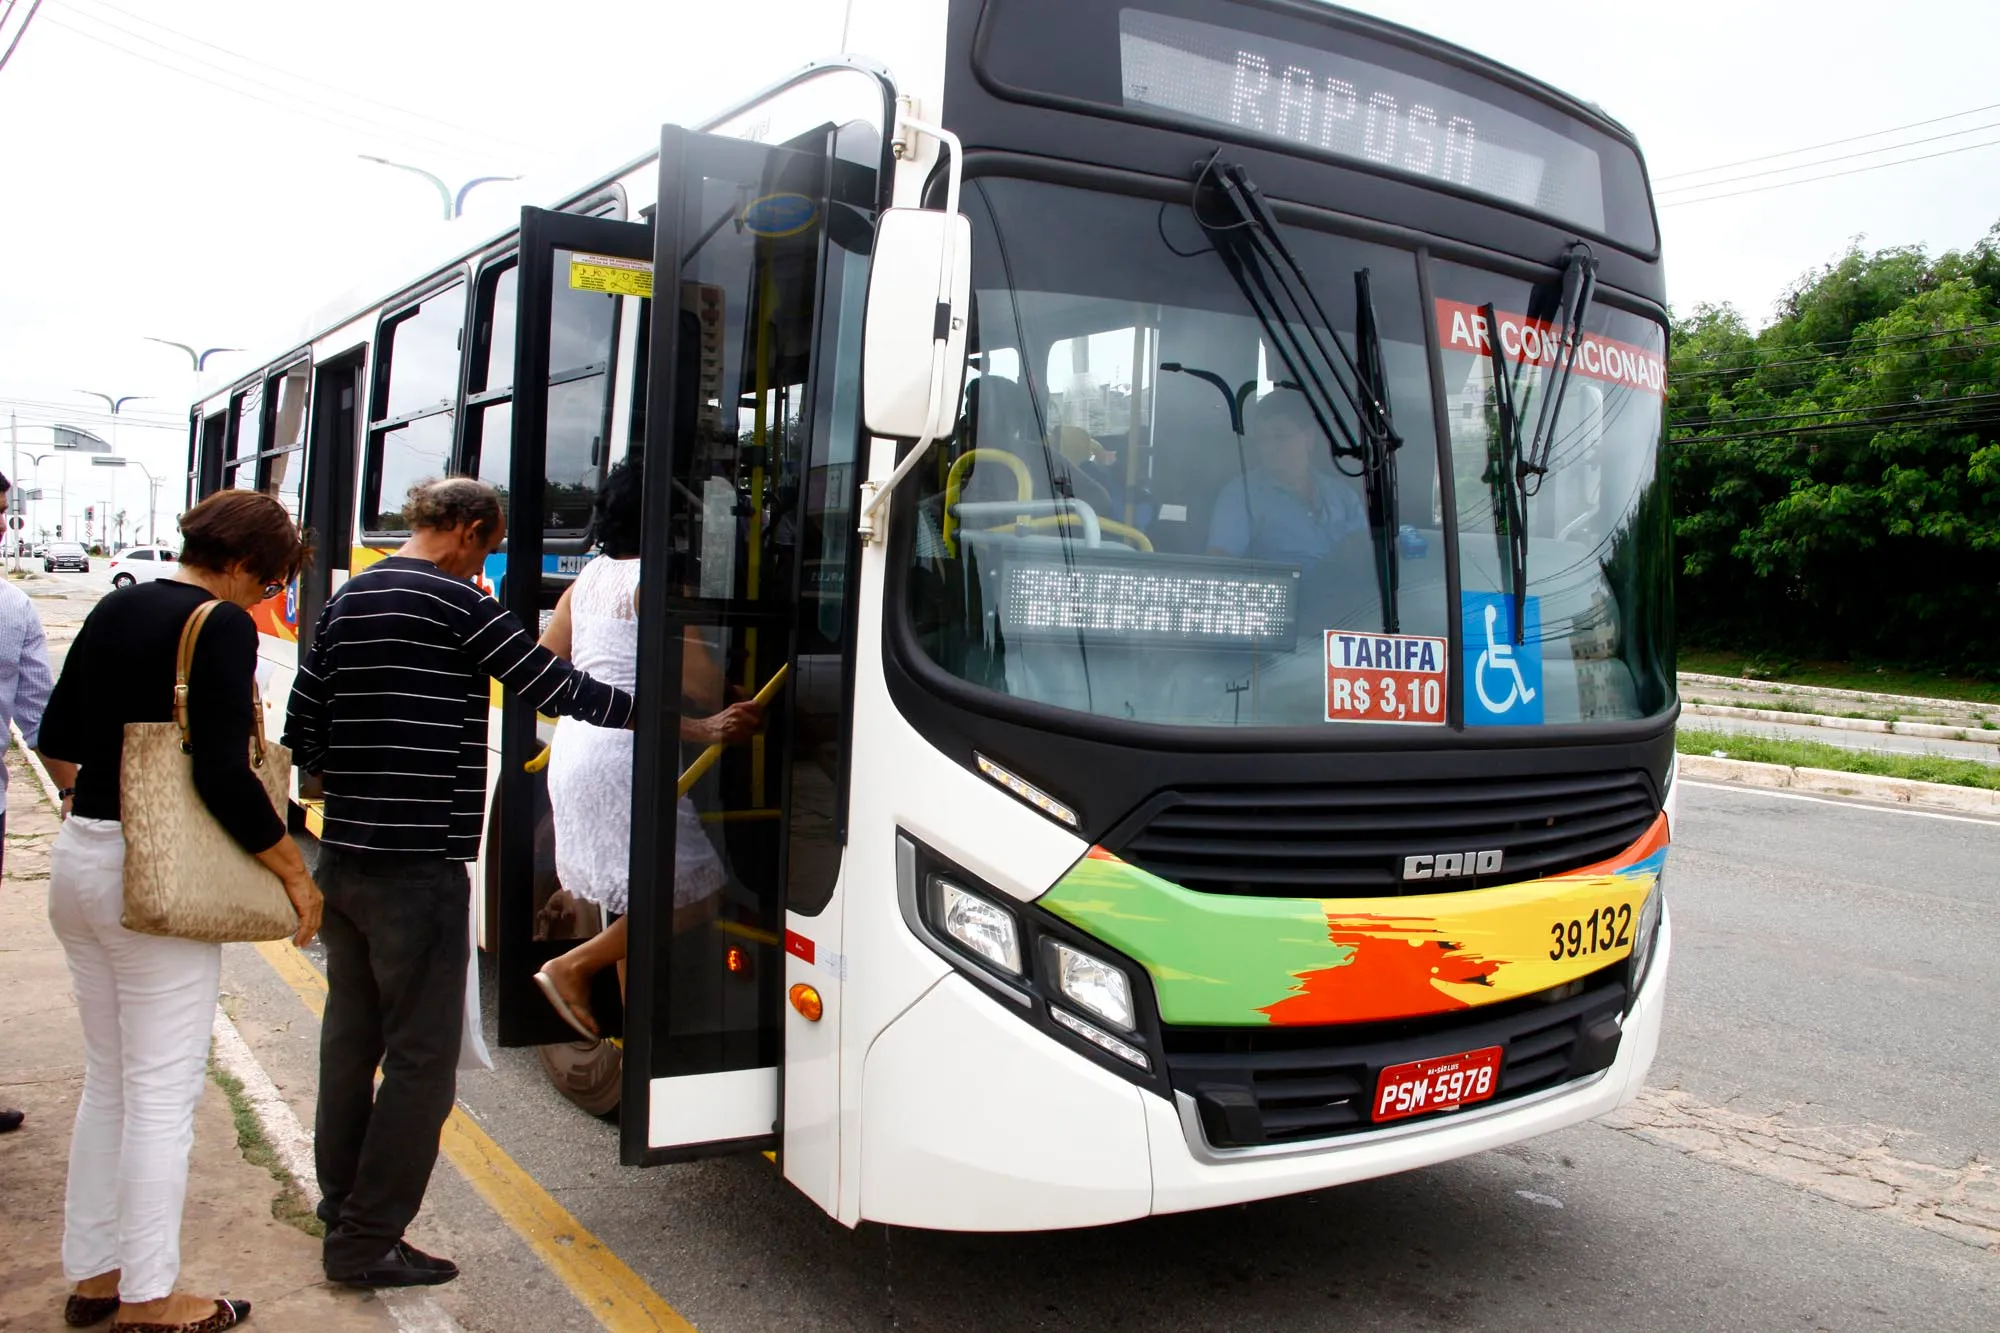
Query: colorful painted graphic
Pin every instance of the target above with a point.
(1219, 959)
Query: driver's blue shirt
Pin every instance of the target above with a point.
(1258, 516)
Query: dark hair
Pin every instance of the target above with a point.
(614, 514)
(450, 504)
(246, 528)
(5, 485)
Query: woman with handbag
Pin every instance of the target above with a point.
(178, 654)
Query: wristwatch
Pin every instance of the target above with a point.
(64, 793)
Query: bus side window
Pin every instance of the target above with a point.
(410, 435)
(489, 397)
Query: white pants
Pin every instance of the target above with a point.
(148, 1007)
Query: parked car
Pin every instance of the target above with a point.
(142, 564)
(65, 555)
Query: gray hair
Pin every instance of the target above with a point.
(452, 503)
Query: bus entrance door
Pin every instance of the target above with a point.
(576, 297)
(728, 418)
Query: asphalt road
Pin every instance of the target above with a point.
(1815, 1152)
(1877, 742)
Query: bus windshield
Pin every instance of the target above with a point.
(1144, 515)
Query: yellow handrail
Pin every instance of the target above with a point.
(1109, 525)
(954, 482)
(706, 759)
(703, 761)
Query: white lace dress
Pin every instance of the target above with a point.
(590, 768)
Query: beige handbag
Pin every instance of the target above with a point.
(184, 875)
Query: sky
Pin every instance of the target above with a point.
(194, 170)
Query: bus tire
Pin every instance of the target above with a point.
(589, 1073)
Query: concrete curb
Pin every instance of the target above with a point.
(1827, 691)
(1827, 782)
(415, 1309)
(1925, 730)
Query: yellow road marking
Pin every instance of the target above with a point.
(618, 1297)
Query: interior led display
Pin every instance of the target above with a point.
(1113, 596)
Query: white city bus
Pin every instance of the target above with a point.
(1154, 812)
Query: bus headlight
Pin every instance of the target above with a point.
(1648, 934)
(1095, 986)
(979, 925)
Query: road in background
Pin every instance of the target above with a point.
(1813, 1153)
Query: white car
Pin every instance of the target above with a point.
(142, 564)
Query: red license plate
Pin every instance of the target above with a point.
(1441, 1084)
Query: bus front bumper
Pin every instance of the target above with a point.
(972, 1120)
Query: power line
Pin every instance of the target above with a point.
(1840, 411)
(354, 122)
(1977, 419)
(1824, 161)
(1830, 143)
(1831, 175)
(1900, 337)
(1951, 417)
(346, 92)
(1824, 360)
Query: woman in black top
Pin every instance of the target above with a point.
(148, 1002)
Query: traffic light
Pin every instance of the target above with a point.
(89, 514)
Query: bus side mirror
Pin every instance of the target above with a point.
(919, 300)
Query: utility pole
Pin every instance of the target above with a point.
(14, 475)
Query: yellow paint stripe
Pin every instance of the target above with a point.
(600, 1281)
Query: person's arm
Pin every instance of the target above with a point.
(306, 729)
(500, 647)
(556, 637)
(33, 680)
(221, 716)
(221, 705)
(59, 738)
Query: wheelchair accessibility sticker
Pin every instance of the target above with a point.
(1503, 681)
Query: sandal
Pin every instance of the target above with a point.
(547, 985)
(228, 1314)
(83, 1311)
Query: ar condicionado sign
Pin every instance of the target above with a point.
(1462, 328)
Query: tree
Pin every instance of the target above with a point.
(1837, 476)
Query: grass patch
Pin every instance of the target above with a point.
(1818, 754)
(289, 1205)
(1841, 675)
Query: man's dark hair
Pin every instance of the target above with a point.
(5, 485)
(246, 528)
(444, 506)
(614, 514)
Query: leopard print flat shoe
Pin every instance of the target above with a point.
(228, 1314)
(83, 1311)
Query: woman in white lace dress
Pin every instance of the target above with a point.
(596, 626)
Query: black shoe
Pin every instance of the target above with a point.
(10, 1120)
(403, 1266)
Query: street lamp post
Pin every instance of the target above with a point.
(152, 488)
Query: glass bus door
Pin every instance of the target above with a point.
(739, 228)
(726, 398)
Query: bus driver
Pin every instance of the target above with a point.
(1290, 506)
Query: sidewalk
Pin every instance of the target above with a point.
(230, 1242)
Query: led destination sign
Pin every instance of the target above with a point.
(1355, 108)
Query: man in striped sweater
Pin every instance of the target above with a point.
(390, 709)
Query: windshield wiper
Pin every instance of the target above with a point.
(1327, 373)
(1516, 472)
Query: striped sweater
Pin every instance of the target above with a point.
(390, 706)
